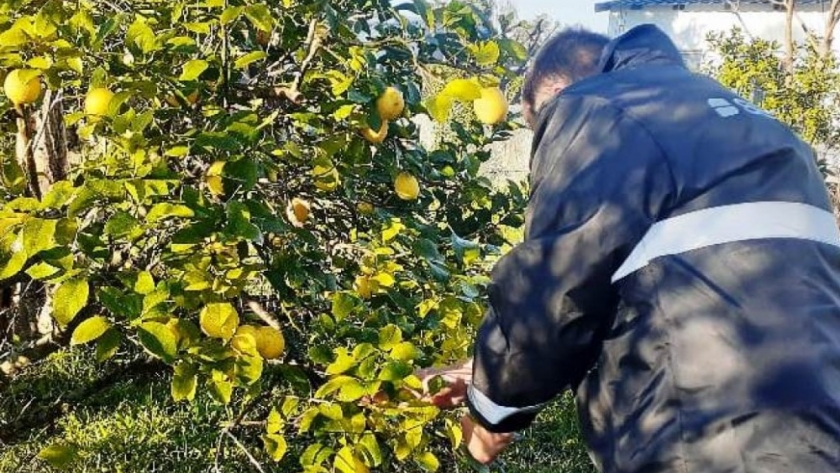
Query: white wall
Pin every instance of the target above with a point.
(690, 27)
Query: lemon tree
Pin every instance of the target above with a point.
(230, 213)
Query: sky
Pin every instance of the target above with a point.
(567, 12)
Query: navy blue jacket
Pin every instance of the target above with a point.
(680, 272)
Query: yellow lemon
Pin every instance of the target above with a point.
(390, 104)
(270, 342)
(326, 177)
(98, 101)
(406, 186)
(219, 320)
(298, 211)
(492, 107)
(20, 92)
(245, 339)
(376, 137)
(364, 208)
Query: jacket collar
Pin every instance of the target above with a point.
(642, 45)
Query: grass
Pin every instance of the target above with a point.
(132, 427)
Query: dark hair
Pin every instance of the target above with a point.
(571, 55)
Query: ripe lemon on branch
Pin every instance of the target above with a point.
(298, 211)
(22, 86)
(492, 107)
(98, 101)
(269, 341)
(406, 186)
(219, 320)
(390, 104)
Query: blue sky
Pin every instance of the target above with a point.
(567, 12)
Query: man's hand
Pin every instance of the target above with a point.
(457, 379)
(484, 446)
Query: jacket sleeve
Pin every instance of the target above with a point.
(598, 182)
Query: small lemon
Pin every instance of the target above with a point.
(406, 186)
(365, 208)
(98, 101)
(298, 211)
(245, 339)
(219, 320)
(17, 91)
(376, 137)
(390, 104)
(492, 107)
(270, 342)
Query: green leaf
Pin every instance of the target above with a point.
(42, 270)
(342, 305)
(15, 258)
(260, 17)
(343, 362)
(392, 230)
(159, 340)
(274, 422)
(289, 406)
(70, 298)
(192, 69)
(239, 222)
(453, 433)
(90, 330)
(121, 224)
(486, 54)
(38, 235)
(332, 386)
(59, 195)
(345, 461)
(389, 336)
(351, 390)
(371, 449)
(439, 107)
(145, 283)
(514, 49)
(275, 445)
(395, 371)
(165, 210)
(107, 345)
(59, 455)
(184, 382)
(221, 387)
(462, 89)
(142, 36)
(315, 455)
(428, 461)
(249, 58)
(230, 14)
(249, 368)
(405, 351)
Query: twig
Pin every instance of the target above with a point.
(245, 450)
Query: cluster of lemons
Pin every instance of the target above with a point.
(220, 320)
(24, 87)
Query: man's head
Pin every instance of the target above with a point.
(571, 55)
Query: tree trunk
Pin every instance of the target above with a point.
(41, 151)
(790, 46)
(832, 18)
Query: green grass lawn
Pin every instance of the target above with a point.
(132, 426)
